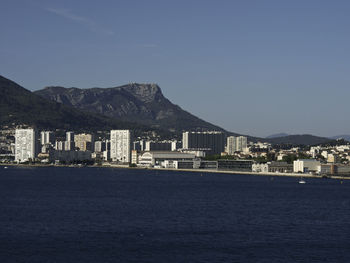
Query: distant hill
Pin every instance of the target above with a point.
(305, 139)
(345, 137)
(141, 103)
(20, 106)
(277, 135)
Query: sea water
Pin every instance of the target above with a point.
(122, 215)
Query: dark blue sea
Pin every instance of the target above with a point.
(121, 215)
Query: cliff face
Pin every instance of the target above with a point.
(20, 106)
(141, 103)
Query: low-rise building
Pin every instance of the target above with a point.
(260, 167)
(69, 156)
(235, 165)
(280, 167)
(156, 158)
(306, 166)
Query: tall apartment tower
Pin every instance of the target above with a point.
(121, 146)
(236, 144)
(47, 137)
(212, 141)
(231, 145)
(25, 145)
(241, 143)
(70, 136)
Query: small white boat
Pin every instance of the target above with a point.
(5, 167)
(302, 181)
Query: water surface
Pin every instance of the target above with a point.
(120, 215)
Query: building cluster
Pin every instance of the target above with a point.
(209, 150)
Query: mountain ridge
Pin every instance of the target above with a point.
(21, 106)
(276, 135)
(299, 139)
(143, 103)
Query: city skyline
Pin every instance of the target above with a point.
(252, 68)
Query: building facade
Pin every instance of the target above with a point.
(69, 156)
(306, 166)
(47, 137)
(121, 146)
(213, 141)
(100, 146)
(70, 136)
(84, 141)
(236, 144)
(156, 158)
(25, 145)
(158, 146)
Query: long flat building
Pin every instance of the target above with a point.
(214, 141)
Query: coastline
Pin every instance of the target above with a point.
(120, 166)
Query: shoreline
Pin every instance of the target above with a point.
(118, 166)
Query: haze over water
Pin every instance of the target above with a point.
(116, 215)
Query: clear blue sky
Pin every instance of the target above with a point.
(253, 67)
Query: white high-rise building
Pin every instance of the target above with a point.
(59, 146)
(121, 146)
(236, 144)
(47, 137)
(25, 145)
(241, 143)
(70, 136)
(231, 145)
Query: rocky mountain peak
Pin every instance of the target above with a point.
(144, 92)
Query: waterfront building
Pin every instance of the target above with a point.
(70, 136)
(69, 146)
(134, 157)
(197, 152)
(100, 146)
(235, 165)
(25, 145)
(84, 141)
(185, 164)
(208, 165)
(260, 167)
(69, 156)
(156, 158)
(106, 155)
(306, 165)
(280, 167)
(121, 146)
(214, 141)
(47, 137)
(60, 145)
